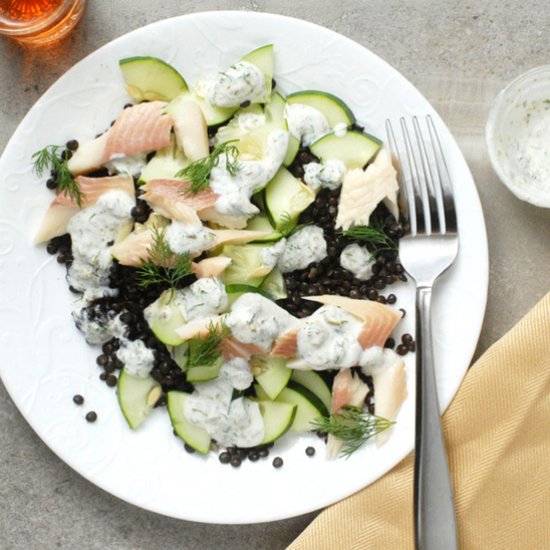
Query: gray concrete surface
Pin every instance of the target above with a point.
(459, 54)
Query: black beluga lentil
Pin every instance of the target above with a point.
(327, 276)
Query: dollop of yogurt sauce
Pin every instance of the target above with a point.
(257, 320)
(189, 238)
(328, 339)
(305, 122)
(241, 82)
(249, 121)
(251, 175)
(533, 151)
(138, 359)
(133, 165)
(204, 298)
(303, 247)
(93, 231)
(270, 254)
(329, 174)
(230, 422)
(358, 260)
(375, 359)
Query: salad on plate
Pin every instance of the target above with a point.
(227, 246)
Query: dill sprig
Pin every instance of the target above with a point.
(371, 234)
(205, 352)
(198, 172)
(353, 425)
(162, 265)
(48, 159)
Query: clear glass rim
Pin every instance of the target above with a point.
(16, 30)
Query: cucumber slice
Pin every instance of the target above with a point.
(202, 373)
(150, 78)
(193, 435)
(136, 397)
(164, 165)
(264, 59)
(274, 285)
(334, 109)
(292, 151)
(261, 393)
(249, 141)
(252, 143)
(271, 374)
(261, 223)
(180, 355)
(164, 317)
(277, 417)
(246, 267)
(243, 289)
(286, 198)
(212, 115)
(309, 406)
(275, 110)
(275, 114)
(312, 381)
(354, 149)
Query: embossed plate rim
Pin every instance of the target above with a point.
(148, 468)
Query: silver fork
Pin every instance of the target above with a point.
(426, 251)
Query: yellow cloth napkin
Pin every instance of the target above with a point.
(497, 431)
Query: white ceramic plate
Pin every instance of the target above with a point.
(45, 360)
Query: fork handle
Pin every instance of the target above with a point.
(434, 514)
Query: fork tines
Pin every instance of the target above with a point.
(426, 193)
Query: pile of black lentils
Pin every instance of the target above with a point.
(324, 277)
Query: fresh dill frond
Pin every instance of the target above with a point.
(48, 159)
(198, 172)
(205, 352)
(353, 425)
(162, 265)
(372, 235)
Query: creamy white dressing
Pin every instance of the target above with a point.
(189, 238)
(328, 339)
(138, 359)
(305, 122)
(533, 152)
(249, 121)
(251, 175)
(305, 246)
(238, 422)
(133, 165)
(358, 260)
(93, 231)
(241, 82)
(204, 298)
(257, 320)
(330, 174)
(375, 359)
(98, 330)
(270, 254)
(239, 373)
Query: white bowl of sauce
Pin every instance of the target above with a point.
(518, 136)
